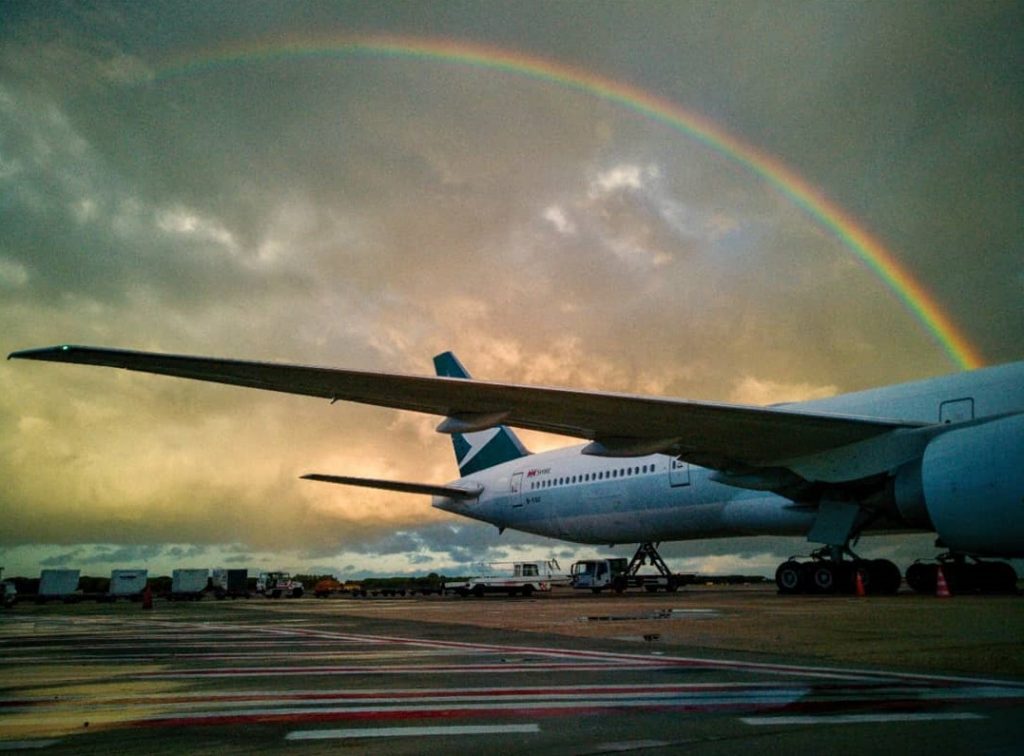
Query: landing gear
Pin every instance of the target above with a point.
(665, 579)
(828, 572)
(962, 576)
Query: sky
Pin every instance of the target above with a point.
(733, 201)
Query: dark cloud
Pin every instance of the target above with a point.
(62, 560)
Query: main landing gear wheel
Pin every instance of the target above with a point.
(883, 578)
(963, 576)
(789, 577)
(880, 577)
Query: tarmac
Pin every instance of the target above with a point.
(705, 670)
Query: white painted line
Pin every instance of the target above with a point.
(629, 745)
(19, 745)
(411, 732)
(859, 718)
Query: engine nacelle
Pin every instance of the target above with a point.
(971, 483)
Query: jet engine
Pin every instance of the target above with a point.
(969, 487)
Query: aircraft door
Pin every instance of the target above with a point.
(516, 490)
(678, 473)
(956, 411)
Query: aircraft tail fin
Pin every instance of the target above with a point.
(479, 450)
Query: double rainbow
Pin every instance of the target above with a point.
(910, 292)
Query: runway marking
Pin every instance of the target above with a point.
(778, 692)
(629, 745)
(412, 732)
(25, 745)
(412, 669)
(860, 718)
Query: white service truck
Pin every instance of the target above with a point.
(618, 573)
(512, 579)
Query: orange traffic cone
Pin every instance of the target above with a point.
(941, 587)
(860, 584)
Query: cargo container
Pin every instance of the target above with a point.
(127, 584)
(230, 583)
(58, 585)
(188, 585)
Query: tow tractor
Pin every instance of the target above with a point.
(618, 573)
(278, 584)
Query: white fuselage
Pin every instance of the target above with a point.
(586, 499)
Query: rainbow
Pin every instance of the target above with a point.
(882, 263)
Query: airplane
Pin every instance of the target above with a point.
(942, 455)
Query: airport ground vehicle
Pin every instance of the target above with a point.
(523, 578)
(278, 584)
(618, 573)
(328, 587)
(188, 584)
(230, 583)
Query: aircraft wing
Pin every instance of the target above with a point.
(723, 436)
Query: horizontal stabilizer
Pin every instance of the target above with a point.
(470, 491)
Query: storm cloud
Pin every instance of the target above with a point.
(205, 179)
